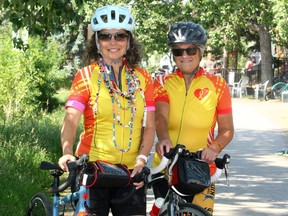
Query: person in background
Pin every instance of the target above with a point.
(189, 105)
(116, 99)
(209, 65)
(249, 69)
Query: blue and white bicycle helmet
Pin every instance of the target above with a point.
(112, 17)
(187, 32)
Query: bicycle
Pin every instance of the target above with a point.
(276, 90)
(40, 205)
(174, 204)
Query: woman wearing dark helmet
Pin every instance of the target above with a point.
(190, 104)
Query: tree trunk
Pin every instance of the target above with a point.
(266, 54)
(225, 65)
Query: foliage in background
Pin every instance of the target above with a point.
(43, 62)
(23, 145)
(29, 79)
(17, 89)
(32, 75)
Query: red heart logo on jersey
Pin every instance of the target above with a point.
(201, 93)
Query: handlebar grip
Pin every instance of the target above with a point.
(45, 165)
(221, 162)
(142, 176)
(173, 151)
(161, 166)
(72, 167)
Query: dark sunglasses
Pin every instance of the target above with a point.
(179, 52)
(117, 37)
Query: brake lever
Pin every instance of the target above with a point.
(226, 169)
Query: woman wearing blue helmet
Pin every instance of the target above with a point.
(116, 99)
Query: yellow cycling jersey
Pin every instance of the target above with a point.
(193, 113)
(90, 95)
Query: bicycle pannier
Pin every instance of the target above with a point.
(191, 176)
(105, 174)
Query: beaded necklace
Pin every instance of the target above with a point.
(115, 93)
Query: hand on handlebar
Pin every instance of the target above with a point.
(163, 146)
(137, 169)
(209, 155)
(63, 161)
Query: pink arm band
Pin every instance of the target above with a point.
(75, 104)
(150, 108)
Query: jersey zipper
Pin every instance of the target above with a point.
(183, 108)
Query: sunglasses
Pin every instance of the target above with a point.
(179, 52)
(119, 37)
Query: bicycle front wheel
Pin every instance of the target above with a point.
(188, 209)
(268, 96)
(39, 205)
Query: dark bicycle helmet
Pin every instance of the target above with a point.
(187, 32)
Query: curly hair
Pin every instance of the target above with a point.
(133, 54)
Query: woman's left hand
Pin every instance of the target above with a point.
(137, 169)
(209, 155)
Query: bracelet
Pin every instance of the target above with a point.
(141, 156)
(218, 144)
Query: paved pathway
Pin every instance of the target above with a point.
(258, 177)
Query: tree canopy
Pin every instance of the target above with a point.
(58, 28)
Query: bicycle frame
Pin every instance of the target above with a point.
(276, 90)
(41, 205)
(82, 196)
(173, 202)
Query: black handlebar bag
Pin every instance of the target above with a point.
(190, 176)
(103, 174)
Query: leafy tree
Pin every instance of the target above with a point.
(43, 66)
(280, 11)
(14, 87)
(30, 78)
(230, 24)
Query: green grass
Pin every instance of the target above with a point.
(23, 145)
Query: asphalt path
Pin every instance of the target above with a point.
(258, 177)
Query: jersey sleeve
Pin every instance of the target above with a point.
(149, 90)
(160, 93)
(80, 90)
(224, 100)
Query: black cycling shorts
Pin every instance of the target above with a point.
(100, 201)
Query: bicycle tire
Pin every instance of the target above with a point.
(188, 209)
(268, 96)
(39, 205)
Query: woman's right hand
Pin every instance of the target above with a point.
(63, 161)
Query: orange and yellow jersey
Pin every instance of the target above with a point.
(193, 113)
(97, 137)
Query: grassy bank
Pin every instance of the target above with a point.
(23, 145)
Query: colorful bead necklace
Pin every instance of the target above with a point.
(133, 85)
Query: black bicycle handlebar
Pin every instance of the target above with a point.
(72, 167)
(142, 176)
